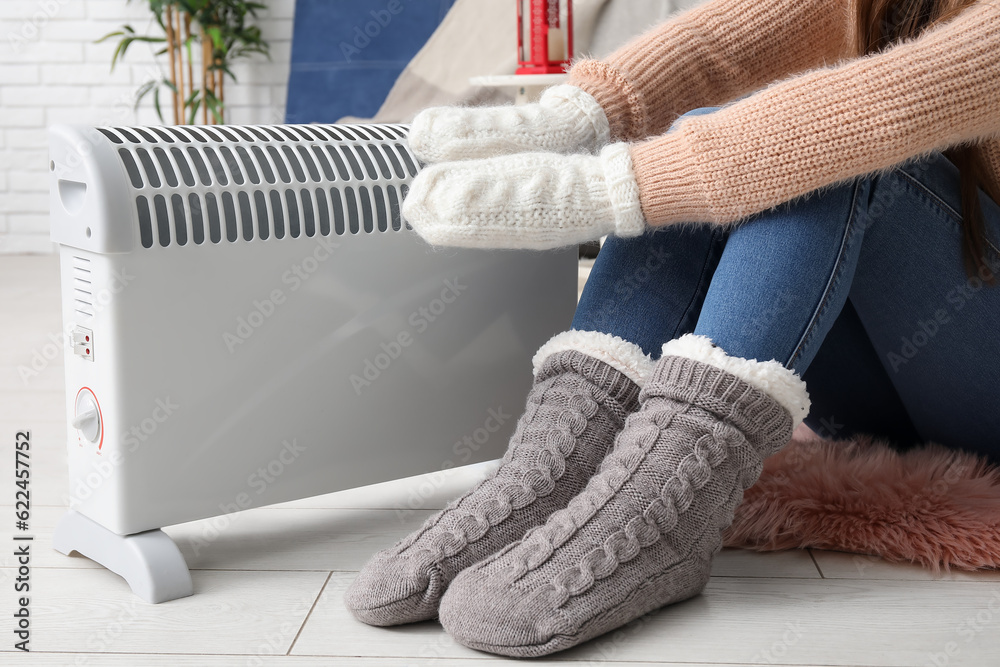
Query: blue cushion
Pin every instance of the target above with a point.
(346, 56)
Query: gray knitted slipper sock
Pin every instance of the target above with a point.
(644, 531)
(574, 410)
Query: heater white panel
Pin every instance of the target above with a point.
(252, 322)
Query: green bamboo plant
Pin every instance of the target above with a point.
(211, 34)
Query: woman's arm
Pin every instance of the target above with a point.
(708, 56)
(828, 125)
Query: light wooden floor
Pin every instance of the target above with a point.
(269, 586)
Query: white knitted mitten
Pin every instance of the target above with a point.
(565, 120)
(529, 200)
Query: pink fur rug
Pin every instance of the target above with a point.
(930, 505)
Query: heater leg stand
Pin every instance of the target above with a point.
(149, 561)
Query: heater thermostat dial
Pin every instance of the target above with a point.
(87, 418)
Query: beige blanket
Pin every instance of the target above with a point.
(478, 37)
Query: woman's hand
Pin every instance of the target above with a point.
(564, 120)
(530, 200)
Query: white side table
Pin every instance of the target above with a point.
(528, 86)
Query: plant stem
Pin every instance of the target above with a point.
(206, 58)
(173, 64)
(187, 42)
(180, 67)
(222, 93)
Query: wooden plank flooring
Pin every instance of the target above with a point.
(269, 587)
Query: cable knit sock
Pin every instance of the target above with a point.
(530, 200)
(577, 405)
(644, 531)
(564, 120)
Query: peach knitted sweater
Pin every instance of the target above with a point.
(817, 117)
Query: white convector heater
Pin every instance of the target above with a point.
(252, 322)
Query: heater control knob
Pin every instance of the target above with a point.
(88, 417)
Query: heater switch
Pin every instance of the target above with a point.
(83, 343)
(87, 418)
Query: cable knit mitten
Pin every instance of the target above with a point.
(644, 531)
(531, 200)
(577, 405)
(564, 120)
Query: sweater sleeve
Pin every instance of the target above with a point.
(710, 55)
(828, 125)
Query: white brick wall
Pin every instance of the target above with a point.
(51, 71)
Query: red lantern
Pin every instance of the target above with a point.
(545, 39)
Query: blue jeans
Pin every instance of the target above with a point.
(860, 288)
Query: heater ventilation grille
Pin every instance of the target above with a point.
(239, 183)
(83, 290)
(167, 220)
